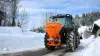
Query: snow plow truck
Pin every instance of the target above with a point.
(61, 30)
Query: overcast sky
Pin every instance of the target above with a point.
(36, 9)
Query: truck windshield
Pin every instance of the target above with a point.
(65, 21)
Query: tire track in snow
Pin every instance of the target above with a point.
(60, 52)
(44, 52)
(40, 52)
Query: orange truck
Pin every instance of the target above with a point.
(61, 30)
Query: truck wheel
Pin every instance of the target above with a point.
(71, 42)
(45, 43)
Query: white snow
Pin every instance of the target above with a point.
(89, 46)
(92, 48)
(13, 39)
(97, 22)
(83, 30)
(10, 30)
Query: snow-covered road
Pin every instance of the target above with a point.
(88, 47)
(41, 52)
(80, 51)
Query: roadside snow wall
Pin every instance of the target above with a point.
(92, 44)
(13, 39)
(84, 32)
(10, 30)
(93, 48)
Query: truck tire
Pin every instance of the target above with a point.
(45, 43)
(70, 43)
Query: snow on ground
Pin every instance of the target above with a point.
(10, 30)
(89, 46)
(83, 47)
(84, 31)
(12, 38)
(92, 47)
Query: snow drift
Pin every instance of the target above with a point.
(84, 31)
(10, 30)
(91, 45)
(92, 48)
(12, 38)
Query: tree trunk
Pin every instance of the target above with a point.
(13, 22)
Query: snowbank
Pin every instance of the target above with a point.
(84, 31)
(13, 39)
(93, 48)
(89, 46)
(10, 30)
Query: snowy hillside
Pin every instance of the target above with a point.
(91, 45)
(12, 38)
(93, 48)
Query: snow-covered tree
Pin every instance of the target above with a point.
(23, 19)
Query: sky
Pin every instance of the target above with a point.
(36, 9)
